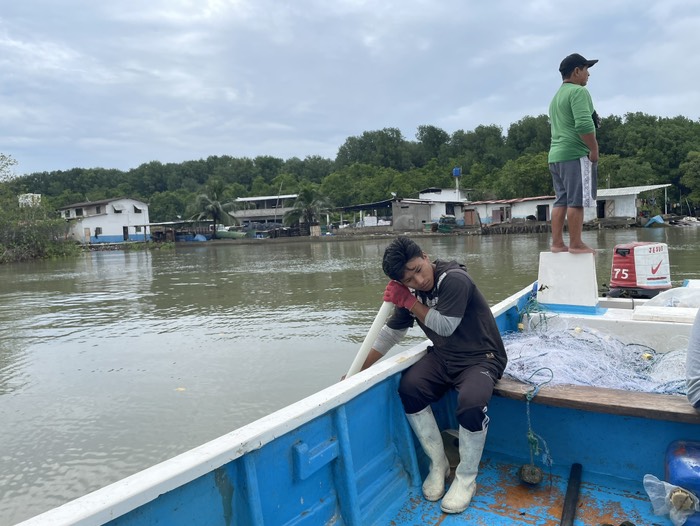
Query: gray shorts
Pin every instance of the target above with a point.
(575, 182)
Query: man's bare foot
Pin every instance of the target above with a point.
(562, 248)
(582, 249)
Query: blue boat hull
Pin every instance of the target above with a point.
(322, 473)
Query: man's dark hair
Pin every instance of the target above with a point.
(566, 75)
(399, 252)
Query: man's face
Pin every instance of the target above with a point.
(419, 274)
(580, 76)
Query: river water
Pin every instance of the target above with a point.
(114, 361)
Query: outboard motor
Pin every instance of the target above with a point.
(639, 270)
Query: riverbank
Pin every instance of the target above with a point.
(515, 227)
(364, 233)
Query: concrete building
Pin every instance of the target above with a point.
(431, 205)
(108, 221)
(263, 209)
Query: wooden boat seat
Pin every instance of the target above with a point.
(674, 408)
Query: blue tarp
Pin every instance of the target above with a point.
(653, 220)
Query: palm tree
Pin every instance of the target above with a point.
(307, 208)
(209, 206)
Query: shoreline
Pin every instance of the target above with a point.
(509, 228)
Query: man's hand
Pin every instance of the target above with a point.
(399, 295)
(590, 140)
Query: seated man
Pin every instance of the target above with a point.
(467, 354)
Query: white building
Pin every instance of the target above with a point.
(108, 221)
(623, 202)
(29, 200)
(505, 210)
(445, 202)
(610, 203)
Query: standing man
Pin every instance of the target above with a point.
(573, 155)
(467, 354)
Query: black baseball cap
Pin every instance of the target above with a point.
(574, 61)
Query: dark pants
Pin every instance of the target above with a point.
(428, 380)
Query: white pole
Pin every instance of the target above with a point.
(366, 346)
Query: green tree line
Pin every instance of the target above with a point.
(637, 149)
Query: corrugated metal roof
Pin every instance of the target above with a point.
(513, 201)
(629, 190)
(100, 202)
(386, 203)
(606, 192)
(265, 198)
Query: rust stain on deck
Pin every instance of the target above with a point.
(543, 503)
(501, 498)
(595, 511)
(527, 503)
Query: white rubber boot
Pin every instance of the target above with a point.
(426, 429)
(471, 445)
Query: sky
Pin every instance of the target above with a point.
(116, 84)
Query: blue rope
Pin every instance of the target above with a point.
(533, 439)
(536, 387)
(532, 307)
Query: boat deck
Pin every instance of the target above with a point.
(501, 498)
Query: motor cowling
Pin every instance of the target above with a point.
(640, 269)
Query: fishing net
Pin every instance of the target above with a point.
(679, 297)
(556, 353)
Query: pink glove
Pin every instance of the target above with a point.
(399, 295)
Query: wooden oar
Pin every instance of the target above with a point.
(377, 325)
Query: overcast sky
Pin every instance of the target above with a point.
(115, 84)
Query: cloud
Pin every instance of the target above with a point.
(116, 84)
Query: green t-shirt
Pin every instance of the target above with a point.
(570, 115)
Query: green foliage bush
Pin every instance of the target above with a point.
(28, 233)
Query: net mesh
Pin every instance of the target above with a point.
(678, 297)
(557, 354)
